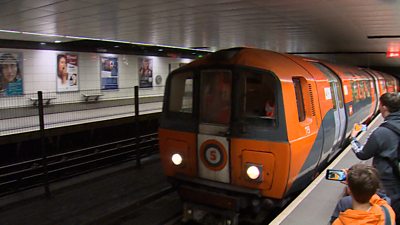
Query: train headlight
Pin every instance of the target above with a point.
(176, 159)
(254, 171)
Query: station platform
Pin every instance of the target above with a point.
(317, 202)
(25, 119)
(95, 198)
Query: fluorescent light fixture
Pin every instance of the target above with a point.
(57, 41)
(11, 31)
(40, 34)
(84, 38)
(109, 40)
(99, 39)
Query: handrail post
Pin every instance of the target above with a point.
(137, 135)
(43, 147)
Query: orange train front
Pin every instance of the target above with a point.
(244, 129)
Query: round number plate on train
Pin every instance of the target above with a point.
(213, 155)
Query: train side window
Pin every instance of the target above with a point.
(332, 87)
(367, 89)
(390, 86)
(299, 99)
(354, 90)
(362, 90)
(181, 93)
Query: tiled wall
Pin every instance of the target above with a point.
(39, 69)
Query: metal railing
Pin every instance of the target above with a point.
(48, 168)
(19, 114)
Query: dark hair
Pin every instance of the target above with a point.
(363, 181)
(391, 101)
(9, 58)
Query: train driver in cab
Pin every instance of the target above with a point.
(270, 108)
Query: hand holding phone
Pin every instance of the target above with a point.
(336, 175)
(360, 127)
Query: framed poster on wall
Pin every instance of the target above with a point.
(145, 72)
(67, 73)
(11, 74)
(109, 73)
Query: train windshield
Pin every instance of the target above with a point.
(215, 104)
(258, 102)
(181, 93)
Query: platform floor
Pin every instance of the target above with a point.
(87, 198)
(31, 123)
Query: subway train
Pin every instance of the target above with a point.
(242, 130)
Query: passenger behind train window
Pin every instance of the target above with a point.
(260, 97)
(363, 205)
(270, 108)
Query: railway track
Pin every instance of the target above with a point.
(32, 173)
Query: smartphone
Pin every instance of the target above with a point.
(363, 127)
(338, 175)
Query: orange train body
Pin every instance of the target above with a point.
(316, 105)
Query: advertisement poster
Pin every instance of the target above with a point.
(11, 74)
(67, 73)
(145, 72)
(109, 73)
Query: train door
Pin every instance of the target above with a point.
(375, 88)
(339, 113)
(214, 123)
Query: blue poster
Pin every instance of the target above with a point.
(11, 74)
(109, 73)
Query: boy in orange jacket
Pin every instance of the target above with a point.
(367, 207)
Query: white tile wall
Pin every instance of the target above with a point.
(39, 69)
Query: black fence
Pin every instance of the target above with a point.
(19, 114)
(41, 111)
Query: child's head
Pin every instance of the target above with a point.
(363, 182)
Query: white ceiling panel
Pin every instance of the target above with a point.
(284, 25)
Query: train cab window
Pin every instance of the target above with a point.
(259, 101)
(181, 93)
(215, 99)
(299, 99)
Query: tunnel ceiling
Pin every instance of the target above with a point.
(360, 31)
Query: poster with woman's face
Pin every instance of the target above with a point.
(11, 74)
(109, 73)
(67, 73)
(145, 72)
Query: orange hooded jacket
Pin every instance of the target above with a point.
(375, 215)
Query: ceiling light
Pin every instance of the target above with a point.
(40, 34)
(10, 31)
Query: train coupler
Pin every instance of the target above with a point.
(209, 216)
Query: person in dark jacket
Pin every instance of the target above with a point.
(381, 144)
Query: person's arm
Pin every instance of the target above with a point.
(368, 150)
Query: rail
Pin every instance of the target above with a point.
(28, 174)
